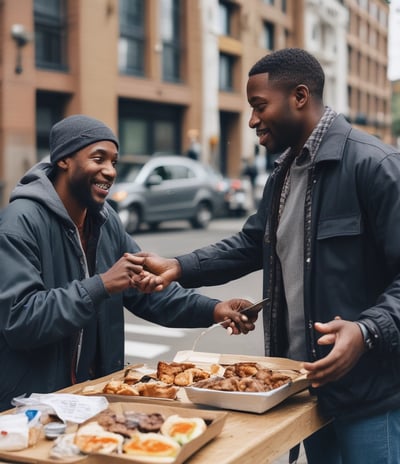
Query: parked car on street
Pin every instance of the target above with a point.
(150, 190)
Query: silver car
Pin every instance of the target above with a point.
(151, 190)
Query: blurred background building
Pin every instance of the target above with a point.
(394, 65)
(159, 71)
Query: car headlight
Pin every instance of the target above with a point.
(119, 196)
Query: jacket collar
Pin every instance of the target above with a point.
(334, 141)
(332, 144)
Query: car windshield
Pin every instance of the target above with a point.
(127, 172)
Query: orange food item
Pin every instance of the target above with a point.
(92, 438)
(151, 444)
(181, 374)
(183, 429)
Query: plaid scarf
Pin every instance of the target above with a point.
(308, 152)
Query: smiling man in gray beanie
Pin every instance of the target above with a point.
(76, 132)
(70, 271)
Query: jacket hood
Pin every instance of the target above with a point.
(36, 185)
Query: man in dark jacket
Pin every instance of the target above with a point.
(327, 235)
(68, 272)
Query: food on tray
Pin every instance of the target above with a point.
(92, 438)
(146, 435)
(183, 429)
(152, 445)
(157, 389)
(161, 383)
(119, 387)
(182, 374)
(245, 377)
(166, 372)
(189, 376)
(130, 422)
(150, 389)
(242, 369)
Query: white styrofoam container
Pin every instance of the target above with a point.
(257, 402)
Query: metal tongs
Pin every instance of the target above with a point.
(252, 309)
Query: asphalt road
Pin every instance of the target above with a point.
(152, 342)
(148, 343)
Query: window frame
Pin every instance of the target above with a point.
(50, 35)
(172, 49)
(134, 35)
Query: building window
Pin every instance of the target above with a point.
(170, 22)
(373, 10)
(146, 128)
(146, 137)
(164, 136)
(350, 59)
(224, 19)
(268, 38)
(284, 6)
(269, 2)
(132, 136)
(383, 18)
(50, 34)
(131, 46)
(350, 95)
(226, 63)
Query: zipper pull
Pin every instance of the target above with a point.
(312, 339)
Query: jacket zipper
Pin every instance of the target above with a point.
(76, 353)
(308, 260)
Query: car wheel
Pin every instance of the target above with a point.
(133, 220)
(203, 216)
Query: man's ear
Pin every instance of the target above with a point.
(302, 95)
(63, 163)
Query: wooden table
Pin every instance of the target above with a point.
(249, 438)
(261, 438)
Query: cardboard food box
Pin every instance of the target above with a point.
(257, 402)
(39, 454)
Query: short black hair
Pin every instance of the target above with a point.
(292, 67)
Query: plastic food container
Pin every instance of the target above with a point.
(52, 430)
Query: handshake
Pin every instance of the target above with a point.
(148, 273)
(156, 272)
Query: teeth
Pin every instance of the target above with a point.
(103, 186)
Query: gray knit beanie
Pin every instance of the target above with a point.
(76, 132)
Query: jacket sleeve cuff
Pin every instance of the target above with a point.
(189, 268)
(370, 332)
(95, 289)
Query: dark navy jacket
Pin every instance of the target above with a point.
(351, 265)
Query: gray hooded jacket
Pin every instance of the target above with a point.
(46, 298)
